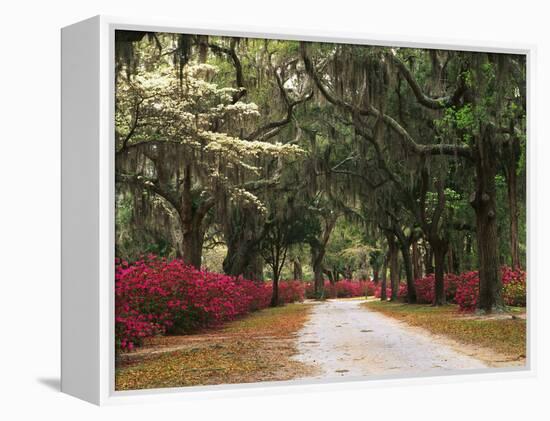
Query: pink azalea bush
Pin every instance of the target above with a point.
(463, 289)
(378, 292)
(467, 291)
(156, 297)
(402, 292)
(452, 282)
(289, 291)
(346, 288)
(425, 288)
(514, 288)
(370, 288)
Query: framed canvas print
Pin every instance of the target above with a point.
(244, 209)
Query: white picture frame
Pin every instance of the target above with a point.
(88, 210)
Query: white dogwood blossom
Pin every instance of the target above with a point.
(190, 110)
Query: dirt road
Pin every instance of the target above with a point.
(344, 339)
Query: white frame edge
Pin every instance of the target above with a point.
(80, 246)
(87, 324)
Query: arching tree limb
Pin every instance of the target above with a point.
(409, 142)
(232, 54)
(421, 97)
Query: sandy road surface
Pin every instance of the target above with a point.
(344, 339)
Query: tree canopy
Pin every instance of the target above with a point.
(275, 159)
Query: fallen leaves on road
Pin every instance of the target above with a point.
(256, 348)
(504, 334)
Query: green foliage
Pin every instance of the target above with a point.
(460, 121)
(311, 160)
(346, 251)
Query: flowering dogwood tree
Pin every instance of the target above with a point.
(180, 141)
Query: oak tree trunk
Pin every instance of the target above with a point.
(318, 280)
(407, 265)
(191, 221)
(417, 265)
(297, 270)
(243, 260)
(428, 260)
(394, 269)
(511, 178)
(450, 260)
(318, 250)
(275, 294)
(383, 281)
(484, 203)
(242, 237)
(191, 245)
(439, 250)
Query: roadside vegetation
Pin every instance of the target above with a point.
(258, 347)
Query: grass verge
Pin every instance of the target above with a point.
(256, 348)
(502, 334)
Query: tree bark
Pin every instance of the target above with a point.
(243, 260)
(317, 264)
(394, 269)
(514, 236)
(450, 260)
(484, 203)
(383, 281)
(468, 252)
(318, 250)
(275, 294)
(439, 250)
(428, 260)
(417, 265)
(237, 259)
(454, 258)
(278, 252)
(242, 237)
(297, 270)
(407, 265)
(191, 219)
(404, 243)
(511, 182)
(191, 245)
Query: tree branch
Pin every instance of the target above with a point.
(422, 98)
(148, 184)
(232, 54)
(272, 128)
(133, 127)
(203, 209)
(409, 142)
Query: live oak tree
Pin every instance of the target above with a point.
(228, 143)
(470, 90)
